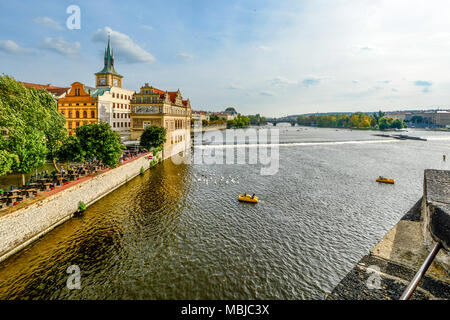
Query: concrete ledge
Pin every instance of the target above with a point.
(435, 212)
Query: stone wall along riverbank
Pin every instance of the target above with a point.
(20, 226)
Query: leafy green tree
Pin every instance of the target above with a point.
(95, 141)
(53, 126)
(378, 115)
(153, 137)
(71, 150)
(383, 124)
(22, 113)
(6, 162)
(397, 124)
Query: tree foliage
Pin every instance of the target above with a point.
(257, 120)
(153, 137)
(33, 125)
(355, 120)
(95, 141)
(239, 122)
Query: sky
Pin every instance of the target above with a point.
(275, 58)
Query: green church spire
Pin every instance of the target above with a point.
(108, 68)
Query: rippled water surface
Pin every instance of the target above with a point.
(178, 232)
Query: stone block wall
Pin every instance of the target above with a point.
(20, 227)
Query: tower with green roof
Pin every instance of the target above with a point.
(108, 77)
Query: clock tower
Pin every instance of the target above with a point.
(108, 77)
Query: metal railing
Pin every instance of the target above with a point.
(420, 273)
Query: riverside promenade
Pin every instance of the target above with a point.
(392, 263)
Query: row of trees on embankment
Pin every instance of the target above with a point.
(239, 121)
(377, 121)
(33, 132)
(245, 121)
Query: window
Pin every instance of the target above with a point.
(78, 124)
(70, 125)
(114, 124)
(77, 115)
(114, 114)
(113, 94)
(84, 114)
(70, 114)
(92, 114)
(114, 105)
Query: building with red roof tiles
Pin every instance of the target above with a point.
(57, 92)
(152, 106)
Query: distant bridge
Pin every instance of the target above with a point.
(282, 120)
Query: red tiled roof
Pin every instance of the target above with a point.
(172, 95)
(158, 91)
(53, 89)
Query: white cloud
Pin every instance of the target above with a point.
(267, 93)
(185, 56)
(9, 46)
(235, 87)
(48, 22)
(313, 80)
(123, 45)
(265, 48)
(61, 46)
(147, 27)
(282, 82)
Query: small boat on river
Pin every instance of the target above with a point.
(248, 198)
(381, 179)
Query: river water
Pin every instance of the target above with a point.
(178, 232)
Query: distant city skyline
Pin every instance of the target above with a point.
(265, 57)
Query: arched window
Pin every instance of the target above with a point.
(77, 114)
(92, 114)
(70, 114)
(84, 114)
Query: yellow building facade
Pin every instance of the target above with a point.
(78, 107)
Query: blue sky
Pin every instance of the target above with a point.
(269, 57)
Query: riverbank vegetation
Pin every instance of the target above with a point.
(32, 128)
(239, 122)
(153, 138)
(358, 120)
(257, 120)
(32, 131)
(92, 142)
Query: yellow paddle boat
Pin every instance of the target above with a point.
(385, 180)
(248, 198)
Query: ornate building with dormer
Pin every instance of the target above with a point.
(152, 106)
